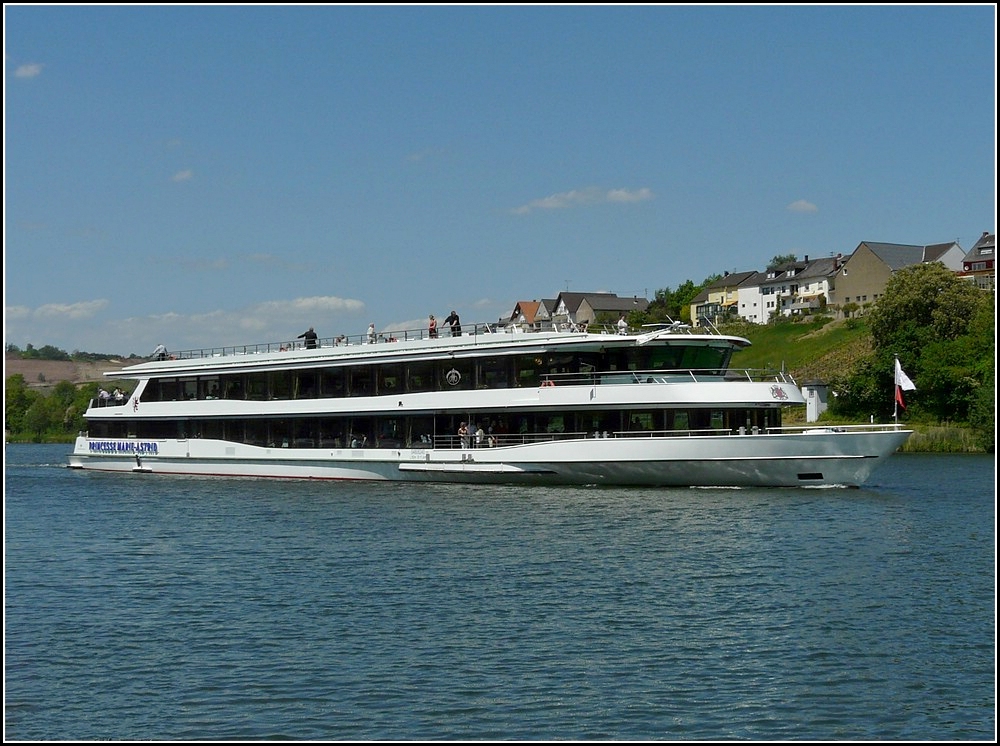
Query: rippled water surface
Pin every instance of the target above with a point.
(163, 608)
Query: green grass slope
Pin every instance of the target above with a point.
(806, 350)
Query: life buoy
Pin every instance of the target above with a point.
(546, 384)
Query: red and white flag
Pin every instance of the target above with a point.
(903, 383)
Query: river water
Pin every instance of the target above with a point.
(162, 608)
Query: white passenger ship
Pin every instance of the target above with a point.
(659, 408)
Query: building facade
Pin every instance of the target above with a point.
(864, 275)
(978, 265)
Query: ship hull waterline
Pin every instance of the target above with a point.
(823, 458)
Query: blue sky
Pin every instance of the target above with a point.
(208, 176)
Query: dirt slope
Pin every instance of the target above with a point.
(47, 373)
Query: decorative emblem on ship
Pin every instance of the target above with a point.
(453, 377)
(778, 393)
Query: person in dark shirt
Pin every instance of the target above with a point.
(455, 324)
(310, 338)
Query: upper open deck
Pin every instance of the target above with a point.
(474, 339)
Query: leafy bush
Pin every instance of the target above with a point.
(941, 328)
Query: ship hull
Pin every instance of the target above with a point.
(817, 457)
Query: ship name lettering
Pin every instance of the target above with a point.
(123, 446)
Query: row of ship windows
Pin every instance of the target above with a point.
(445, 375)
(441, 430)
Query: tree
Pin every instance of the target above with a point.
(849, 309)
(41, 418)
(941, 328)
(861, 393)
(70, 403)
(781, 259)
(17, 398)
(982, 415)
(36, 416)
(922, 303)
(671, 305)
(48, 352)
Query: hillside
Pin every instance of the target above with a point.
(806, 351)
(43, 374)
(838, 361)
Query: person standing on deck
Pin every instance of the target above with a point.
(310, 338)
(455, 324)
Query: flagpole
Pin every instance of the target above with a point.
(895, 393)
(902, 383)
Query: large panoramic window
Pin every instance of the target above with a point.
(457, 375)
(281, 384)
(256, 386)
(710, 359)
(359, 380)
(527, 369)
(420, 376)
(333, 382)
(390, 378)
(493, 373)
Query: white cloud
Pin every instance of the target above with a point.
(424, 154)
(262, 258)
(404, 326)
(91, 326)
(169, 316)
(802, 206)
(589, 195)
(73, 311)
(624, 195)
(192, 264)
(315, 304)
(185, 175)
(561, 200)
(29, 70)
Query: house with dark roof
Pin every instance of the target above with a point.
(571, 309)
(532, 315)
(866, 272)
(719, 299)
(751, 303)
(584, 308)
(816, 284)
(568, 307)
(978, 265)
(799, 287)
